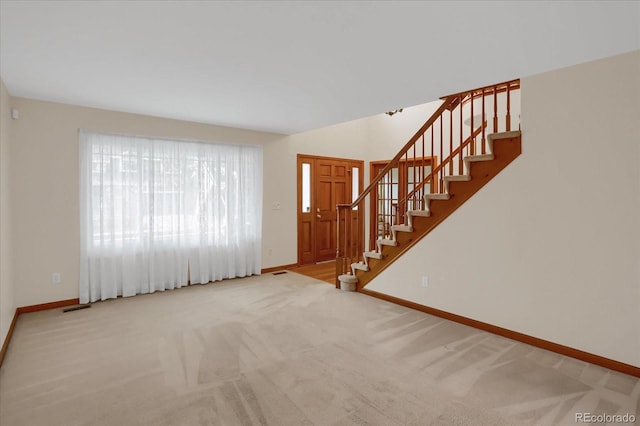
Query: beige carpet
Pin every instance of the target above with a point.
(286, 350)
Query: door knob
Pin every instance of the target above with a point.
(318, 216)
(318, 209)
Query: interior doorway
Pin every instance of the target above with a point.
(323, 183)
(396, 187)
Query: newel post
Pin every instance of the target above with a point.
(344, 280)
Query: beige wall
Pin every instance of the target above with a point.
(45, 173)
(551, 246)
(549, 251)
(7, 302)
(44, 177)
(373, 138)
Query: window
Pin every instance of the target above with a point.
(355, 185)
(306, 187)
(155, 213)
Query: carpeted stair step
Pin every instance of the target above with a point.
(481, 157)
(348, 282)
(359, 266)
(419, 213)
(501, 135)
(400, 228)
(387, 242)
(431, 197)
(416, 213)
(437, 196)
(454, 178)
(476, 158)
(372, 255)
(505, 153)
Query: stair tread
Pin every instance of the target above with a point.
(387, 242)
(360, 266)
(444, 196)
(373, 254)
(348, 278)
(457, 178)
(403, 228)
(481, 157)
(506, 151)
(421, 213)
(504, 135)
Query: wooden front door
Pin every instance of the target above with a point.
(323, 183)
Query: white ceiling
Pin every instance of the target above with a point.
(287, 67)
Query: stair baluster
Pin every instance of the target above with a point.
(360, 258)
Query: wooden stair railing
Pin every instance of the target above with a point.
(416, 196)
(457, 129)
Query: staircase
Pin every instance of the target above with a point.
(395, 211)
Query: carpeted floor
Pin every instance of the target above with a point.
(286, 350)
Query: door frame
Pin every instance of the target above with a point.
(376, 166)
(310, 159)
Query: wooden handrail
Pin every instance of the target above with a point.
(488, 90)
(401, 153)
(385, 188)
(443, 163)
(448, 100)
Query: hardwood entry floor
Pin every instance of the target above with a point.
(323, 271)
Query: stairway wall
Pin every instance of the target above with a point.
(550, 247)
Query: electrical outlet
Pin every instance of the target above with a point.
(425, 281)
(55, 278)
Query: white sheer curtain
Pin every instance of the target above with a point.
(154, 213)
